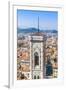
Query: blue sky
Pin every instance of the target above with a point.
(28, 19)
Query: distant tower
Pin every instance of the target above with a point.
(37, 55)
(38, 24)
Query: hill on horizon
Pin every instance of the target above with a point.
(32, 30)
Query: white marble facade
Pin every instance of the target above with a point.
(36, 56)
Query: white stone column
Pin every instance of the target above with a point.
(30, 58)
(42, 60)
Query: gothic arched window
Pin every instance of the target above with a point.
(36, 58)
(38, 77)
(34, 77)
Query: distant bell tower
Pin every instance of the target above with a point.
(37, 55)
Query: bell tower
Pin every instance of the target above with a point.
(37, 55)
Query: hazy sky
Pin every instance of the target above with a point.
(29, 19)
